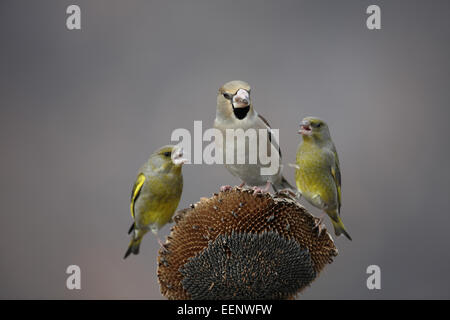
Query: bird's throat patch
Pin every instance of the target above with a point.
(241, 113)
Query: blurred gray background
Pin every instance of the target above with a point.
(82, 110)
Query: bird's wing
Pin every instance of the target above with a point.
(270, 133)
(264, 120)
(136, 190)
(336, 173)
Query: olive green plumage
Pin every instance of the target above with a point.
(155, 194)
(318, 175)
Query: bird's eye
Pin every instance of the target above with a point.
(319, 125)
(167, 154)
(227, 96)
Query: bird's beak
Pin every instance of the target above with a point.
(305, 128)
(241, 99)
(177, 156)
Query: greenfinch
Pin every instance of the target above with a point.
(235, 111)
(155, 194)
(317, 174)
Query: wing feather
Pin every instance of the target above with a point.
(270, 134)
(136, 191)
(336, 173)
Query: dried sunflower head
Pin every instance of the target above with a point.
(240, 245)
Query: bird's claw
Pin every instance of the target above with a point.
(162, 245)
(319, 225)
(257, 190)
(289, 193)
(225, 188)
(263, 190)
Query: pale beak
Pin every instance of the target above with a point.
(305, 128)
(177, 156)
(241, 99)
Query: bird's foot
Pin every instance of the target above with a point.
(162, 245)
(263, 190)
(289, 193)
(267, 187)
(257, 190)
(319, 225)
(225, 188)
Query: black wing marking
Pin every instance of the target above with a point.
(270, 134)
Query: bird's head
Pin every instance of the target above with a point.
(168, 158)
(233, 100)
(314, 128)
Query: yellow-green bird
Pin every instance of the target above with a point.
(156, 193)
(317, 175)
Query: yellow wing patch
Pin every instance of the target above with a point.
(136, 190)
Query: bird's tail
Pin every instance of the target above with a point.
(283, 185)
(135, 243)
(338, 225)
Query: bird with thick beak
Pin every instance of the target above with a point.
(235, 111)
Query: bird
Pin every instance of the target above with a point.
(317, 174)
(235, 111)
(155, 194)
